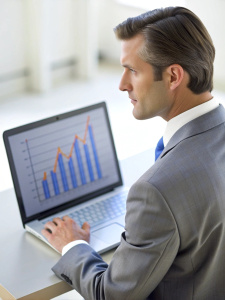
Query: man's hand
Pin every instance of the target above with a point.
(61, 232)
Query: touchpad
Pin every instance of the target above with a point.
(109, 234)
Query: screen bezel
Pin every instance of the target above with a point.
(46, 121)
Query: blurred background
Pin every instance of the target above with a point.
(59, 55)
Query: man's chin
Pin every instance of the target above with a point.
(138, 115)
(141, 115)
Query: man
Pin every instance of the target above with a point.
(174, 241)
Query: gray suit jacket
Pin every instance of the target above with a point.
(174, 244)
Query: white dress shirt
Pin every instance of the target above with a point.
(72, 244)
(177, 122)
(172, 126)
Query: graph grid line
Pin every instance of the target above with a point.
(81, 155)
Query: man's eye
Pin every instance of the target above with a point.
(132, 70)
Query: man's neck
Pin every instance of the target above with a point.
(186, 102)
(180, 120)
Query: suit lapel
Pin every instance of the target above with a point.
(196, 126)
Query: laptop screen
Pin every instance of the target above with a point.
(63, 160)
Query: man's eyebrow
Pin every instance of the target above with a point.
(127, 66)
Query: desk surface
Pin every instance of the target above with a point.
(25, 261)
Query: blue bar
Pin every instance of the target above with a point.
(55, 183)
(63, 173)
(90, 170)
(46, 189)
(80, 163)
(95, 152)
(72, 173)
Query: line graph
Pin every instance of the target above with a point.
(64, 158)
(59, 162)
(72, 147)
(77, 167)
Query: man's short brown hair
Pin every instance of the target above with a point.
(174, 35)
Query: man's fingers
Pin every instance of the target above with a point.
(70, 221)
(86, 226)
(46, 233)
(66, 218)
(50, 226)
(60, 232)
(57, 221)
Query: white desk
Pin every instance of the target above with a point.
(25, 261)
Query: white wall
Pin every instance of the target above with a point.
(51, 30)
(111, 14)
(63, 29)
(12, 36)
(44, 42)
(212, 13)
(13, 64)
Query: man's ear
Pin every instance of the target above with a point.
(175, 74)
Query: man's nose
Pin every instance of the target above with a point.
(124, 84)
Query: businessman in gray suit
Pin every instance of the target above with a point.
(173, 246)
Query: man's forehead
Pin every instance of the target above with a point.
(131, 47)
(133, 43)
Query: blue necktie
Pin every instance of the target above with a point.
(159, 148)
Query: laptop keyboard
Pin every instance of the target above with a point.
(101, 211)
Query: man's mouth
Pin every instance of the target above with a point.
(133, 101)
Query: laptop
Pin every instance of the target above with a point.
(67, 165)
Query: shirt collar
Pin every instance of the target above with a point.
(177, 122)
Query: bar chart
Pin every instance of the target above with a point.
(89, 160)
(64, 159)
(78, 167)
